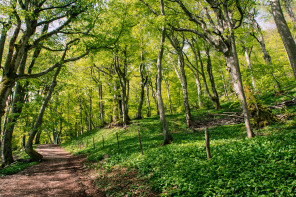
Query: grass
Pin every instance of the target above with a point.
(17, 166)
(262, 166)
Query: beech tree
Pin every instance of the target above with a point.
(216, 24)
(284, 32)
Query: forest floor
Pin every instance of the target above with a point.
(59, 174)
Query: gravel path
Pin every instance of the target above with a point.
(59, 174)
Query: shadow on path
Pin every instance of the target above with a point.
(59, 174)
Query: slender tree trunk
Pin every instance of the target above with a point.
(198, 88)
(169, 97)
(5, 28)
(123, 88)
(115, 102)
(234, 70)
(101, 105)
(148, 101)
(37, 138)
(207, 91)
(260, 39)
(166, 134)
(184, 89)
(142, 86)
(155, 99)
(195, 71)
(81, 116)
(89, 113)
(35, 156)
(288, 7)
(248, 59)
(285, 33)
(181, 74)
(127, 99)
(179, 95)
(224, 85)
(215, 97)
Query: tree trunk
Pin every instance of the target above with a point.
(115, 102)
(5, 28)
(89, 113)
(288, 7)
(260, 39)
(285, 33)
(123, 88)
(155, 99)
(37, 138)
(184, 88)
(17, 106)
(35, 156)
(8, 131)
(207, 91)
(148, 101)
(101, 105)
(81, 116)
(169, 97)
(248, 59)
(166, 134)
(234, 70)
(142, 86)
(195, 71)
(182, 76)
(214, 98)
(142, 92)
(224, 85)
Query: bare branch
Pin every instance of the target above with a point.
(57, 7)
(51, 20)
(150, 8)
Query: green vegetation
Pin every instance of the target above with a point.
(22, 163)
(262, 165)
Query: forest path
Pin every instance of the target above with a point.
(59, 174)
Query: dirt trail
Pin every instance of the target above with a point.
(59, 174)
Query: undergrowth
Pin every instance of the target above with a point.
(18, 165)
(263, 165)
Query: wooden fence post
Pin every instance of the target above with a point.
(117, 141)
(140, 142)
(207, 143)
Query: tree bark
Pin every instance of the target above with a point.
(143, 83)
(181, 74)
(121, 74)
(166, 134)
(154, 98)
(215, 97)
(169, 97)
(195, 71)
(249, 65)
(285, 33)
(224, 84)
(148, 101)
(5, 28)
(34, 155)
(207, 91)
(260, 39)
(234, 70)
(288, 7)
(101, 104)
(90, 112)
(81, 116)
